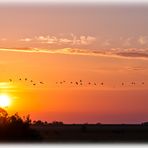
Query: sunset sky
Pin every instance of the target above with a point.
(93, 43)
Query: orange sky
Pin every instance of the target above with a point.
(94, 44)
(111, 103)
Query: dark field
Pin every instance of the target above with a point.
(85, 133)
(16, 129)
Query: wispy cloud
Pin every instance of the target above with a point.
(19, 49)
(127, 41)
(112, 53)
(74, 44)
(64, 41)
(107, 42)
(3, 39)
(71, 40)
(83, 40)
(26, 40)
(116, 53)
(136, 68)
(133, 54)
(46, 39)
(142, 40)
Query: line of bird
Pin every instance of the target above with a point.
(80, 82)
(27, 80)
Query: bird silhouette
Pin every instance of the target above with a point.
(31, 80)
(10, 80)
(122, 83)
(102, 83)
(20, 79)
(77, 83)
(133, 83)
(41, 83)
(34, 84)
(25, 79)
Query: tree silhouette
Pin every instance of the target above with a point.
(14, 128)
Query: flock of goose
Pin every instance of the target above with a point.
(27, 80)
(75, 83)
(80, 82)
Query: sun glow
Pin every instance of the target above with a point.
(5, 100)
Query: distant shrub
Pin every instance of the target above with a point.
(98, 123)
(144, 123)
(38, 123)
(57, 123)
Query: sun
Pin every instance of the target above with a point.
(5, 101)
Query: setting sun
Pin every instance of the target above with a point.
(4, 101)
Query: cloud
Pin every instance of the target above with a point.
(135, 41)
(82, 40)
(19, 49)
(107, 43)
(71, 40)
(47, 39)
(142, 40)
(136, 68)
(127, 41)
(42, 38)
(114, 52)
(87, 40)
(3, 39)
(26, 40)
(133, 54)
(64, 41)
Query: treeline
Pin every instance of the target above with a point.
(16, 129)
(42, 123)
(60, 123)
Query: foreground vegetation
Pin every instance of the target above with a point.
(16, 129)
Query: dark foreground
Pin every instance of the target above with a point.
(16, 129)
(86, 133)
